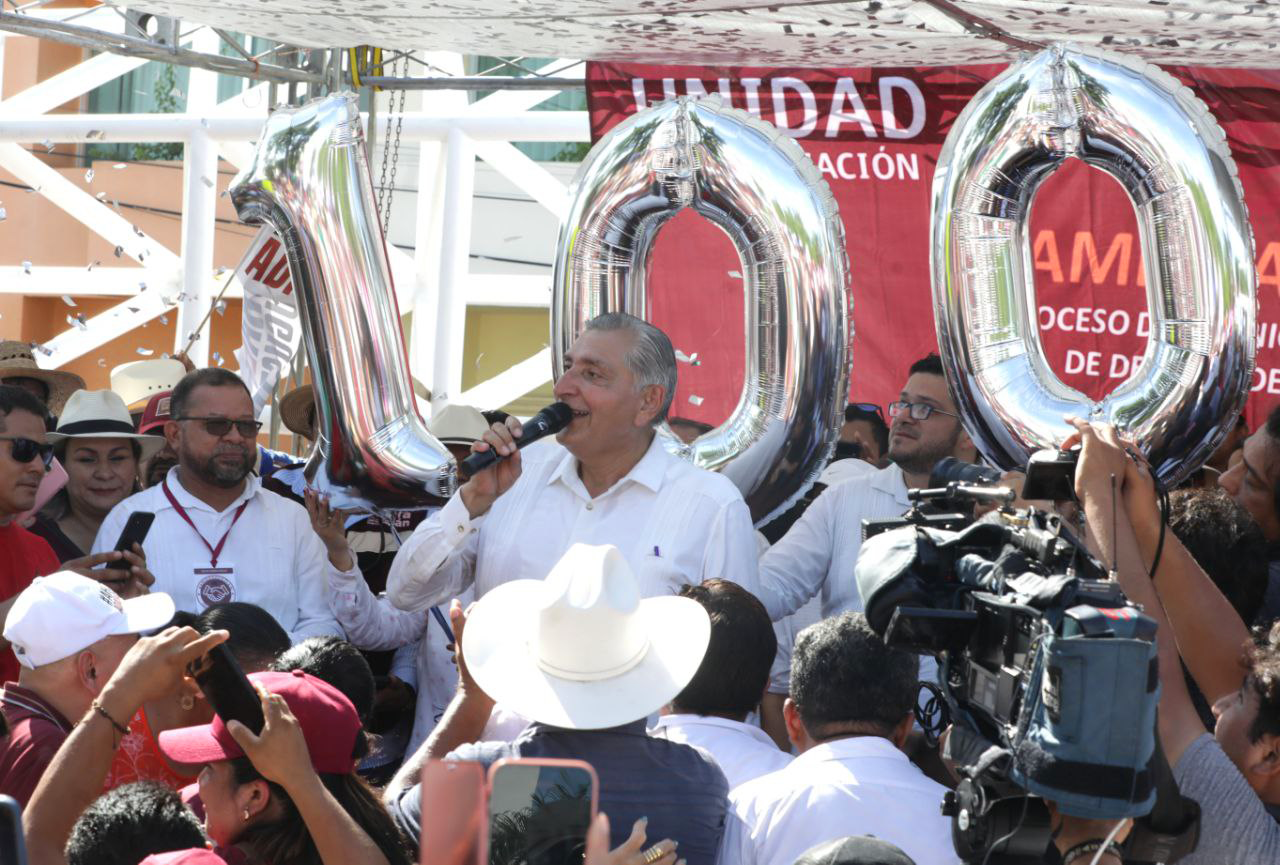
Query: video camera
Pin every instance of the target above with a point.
(1048, 671)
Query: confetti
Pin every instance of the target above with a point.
(164, 319)
(733, 274)
(101, 196)
(35, 346)
(687, 358)
(695, 399)
(3, 214)
(138, 231)
(194, 336)
(119, 165)
(96, 135)
(102, 361)
(206, 181)
(26, 267)
(134, 309)
(220, 271)
(88, 176)
(220, 307)
(48, 145)
(77, 321)
(145, 352)
(93, 264)
(142, 286)
(217, 358)
(119, 251)
(66, 298)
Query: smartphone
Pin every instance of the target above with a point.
(453, 794)
(54, 479)
(134, 531)
(227, 688)
(12, 848)
(540, 811)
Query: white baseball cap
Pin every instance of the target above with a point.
(64, 613)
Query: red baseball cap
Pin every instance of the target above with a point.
(156, 414)
(329, 724)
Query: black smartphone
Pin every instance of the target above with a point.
(227, 688)
(135, 531)
(12, 848)
(540, 811)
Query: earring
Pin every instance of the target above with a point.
(246, 815)
(187, 702)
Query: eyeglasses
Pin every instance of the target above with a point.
(918, 410)
(25, 450)
(220, 426)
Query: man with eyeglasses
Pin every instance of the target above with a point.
(817, 555)
(218, 535)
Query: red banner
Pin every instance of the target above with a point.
(875, 134)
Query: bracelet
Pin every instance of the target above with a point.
(1084, 849)
(97, 707)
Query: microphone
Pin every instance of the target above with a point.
(549, 421)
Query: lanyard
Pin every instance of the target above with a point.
(214, 552)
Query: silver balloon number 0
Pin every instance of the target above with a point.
(310, 181)
(1150, 133)
(763, 191)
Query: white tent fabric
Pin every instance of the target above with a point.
(809, 33)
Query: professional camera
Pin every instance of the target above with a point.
(1049, 673)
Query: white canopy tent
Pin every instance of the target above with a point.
(763, 32)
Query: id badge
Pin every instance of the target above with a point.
(215, 585)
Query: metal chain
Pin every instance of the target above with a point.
(394, 143)
(386, 150)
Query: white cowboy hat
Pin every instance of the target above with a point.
(100, 414)
(140, 380)
(580, 649)
(457, 424)
(17, 361)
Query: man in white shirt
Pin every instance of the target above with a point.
(817, 555)
(608, 480)
(711, 711)
(848, 715)
(218, 536)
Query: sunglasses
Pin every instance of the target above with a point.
(868, 408)
(25, 450)
(220, 426)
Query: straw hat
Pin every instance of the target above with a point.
(101, 414)
(296, 406)
(457, 424)
(580, 649)
(140, 380)
(17, 361)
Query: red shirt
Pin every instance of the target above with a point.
(36, 731)
(23, 557)
(139, 759)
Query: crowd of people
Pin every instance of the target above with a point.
(591, 597)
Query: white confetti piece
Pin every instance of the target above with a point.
(134, 309)
(217, 358)
(102, 361)
(93, 264)
(164, 319)
(138, 231)
(67, 299)
(145, 352)
(733, 274)
(77, 321)
(96, 135)
(48, 145)
(3, 214)
(88, 176)
(687, 358)
(206, 181)
(220, 271)
(142, 286)
(26, 267)
(695, 399)
(119, 251)
(220, 307)
(101, 196)
(119, 165)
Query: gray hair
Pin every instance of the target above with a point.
(651, 359)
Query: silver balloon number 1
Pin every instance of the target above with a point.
(764, 192)
(309, 180)
(1150, 133)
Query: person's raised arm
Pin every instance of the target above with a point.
(1100, 476)
(280, 755)
(1210, 633)
(151, 670)
(463, 721)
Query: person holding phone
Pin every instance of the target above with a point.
(290, 794)
(97, 446)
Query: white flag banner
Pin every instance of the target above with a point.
(271, 328)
